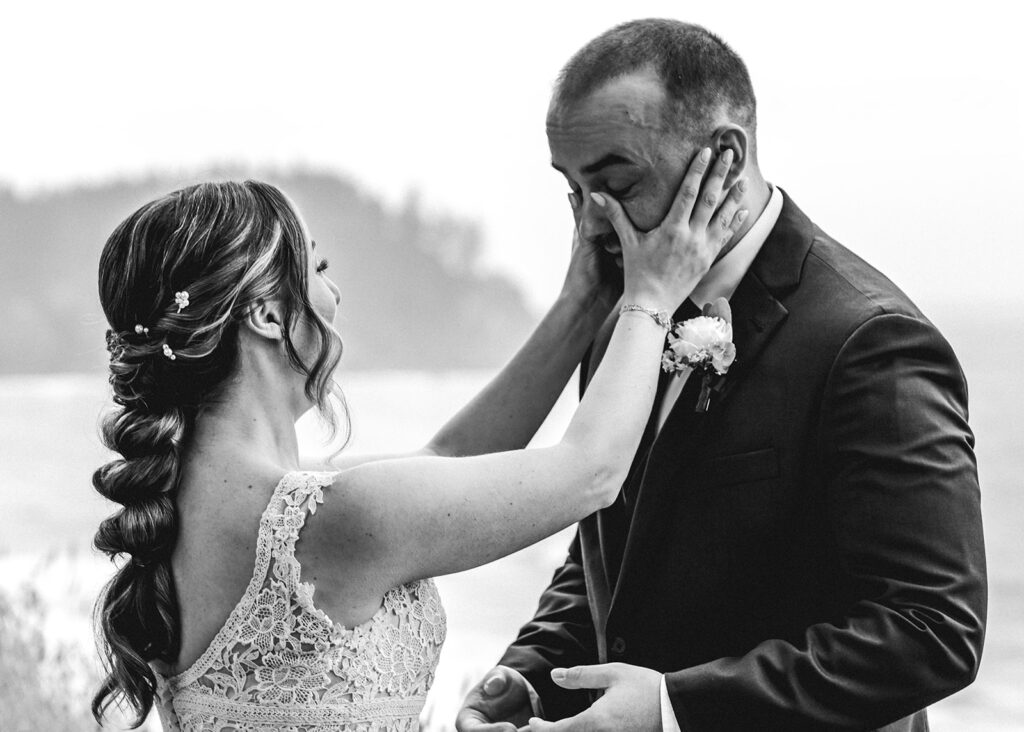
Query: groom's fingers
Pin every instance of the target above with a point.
(474, 720)
(584, 677)
(562, 725)
(495, 704)
(495, 684)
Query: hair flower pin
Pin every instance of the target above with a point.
(181, 299)
(703, 344)
(169, 353)
(141, 330)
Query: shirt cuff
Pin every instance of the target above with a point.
(668, 715)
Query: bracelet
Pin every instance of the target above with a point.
(660, 316)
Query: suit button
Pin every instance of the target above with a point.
(618, 646)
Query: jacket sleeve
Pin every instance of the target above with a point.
(561, 634)
(899, 476)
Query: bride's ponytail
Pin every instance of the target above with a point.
(138, 616)
(176, 278)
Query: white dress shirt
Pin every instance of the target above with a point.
(721, 281)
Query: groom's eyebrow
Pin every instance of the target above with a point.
(608, 160)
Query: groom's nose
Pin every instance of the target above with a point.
(595, 226)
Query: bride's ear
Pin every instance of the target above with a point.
(265, 319)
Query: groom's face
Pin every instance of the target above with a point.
(618, 141)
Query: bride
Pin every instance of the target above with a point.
(257, 594)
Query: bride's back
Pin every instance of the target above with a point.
(218, 523)
(219, 512)
(259, 647)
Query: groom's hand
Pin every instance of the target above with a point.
(499, 703)
(631, 700)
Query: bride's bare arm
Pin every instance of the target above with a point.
(413, 517)
(424, 516)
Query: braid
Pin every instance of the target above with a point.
(138, 610)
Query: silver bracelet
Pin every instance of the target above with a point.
(660, 316)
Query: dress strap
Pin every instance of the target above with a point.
(298, 495)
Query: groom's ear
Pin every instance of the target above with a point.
(735, 138)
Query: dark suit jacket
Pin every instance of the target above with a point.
(808, 554)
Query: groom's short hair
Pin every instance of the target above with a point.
(701, 73)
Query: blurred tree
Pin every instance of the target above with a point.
(413, 296)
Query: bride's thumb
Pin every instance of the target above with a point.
(619, 221)
(719, 309)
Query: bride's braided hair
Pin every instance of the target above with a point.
(219, 248)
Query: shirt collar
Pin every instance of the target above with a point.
(724, 276)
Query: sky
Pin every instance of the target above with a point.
(894, 125)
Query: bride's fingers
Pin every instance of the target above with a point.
(711, 192)
(682, 207)
(715, 244)
(722, 223)
(719, 309)
(737, 223)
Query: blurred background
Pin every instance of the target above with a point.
(411, 135)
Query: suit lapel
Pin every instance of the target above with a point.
(756, 316)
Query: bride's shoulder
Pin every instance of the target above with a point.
(343, 516)
(345, 462)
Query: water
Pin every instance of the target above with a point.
(48, 448)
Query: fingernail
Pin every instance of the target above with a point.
(492, 685)
(727, 155)
(742, 216)
(742, 185)
(705, 154)
(572, 201)
(558, 674)
(598, 199)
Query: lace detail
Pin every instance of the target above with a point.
(279, 663)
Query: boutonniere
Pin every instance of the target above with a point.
(702, 345)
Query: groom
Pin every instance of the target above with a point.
(807, 553)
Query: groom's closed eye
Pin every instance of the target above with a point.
(621, 191)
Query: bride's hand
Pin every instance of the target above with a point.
(593, 277)
(662, 266)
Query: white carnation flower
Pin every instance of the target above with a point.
(700, 342)
(702, 331)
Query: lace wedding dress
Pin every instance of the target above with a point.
(279, 663)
